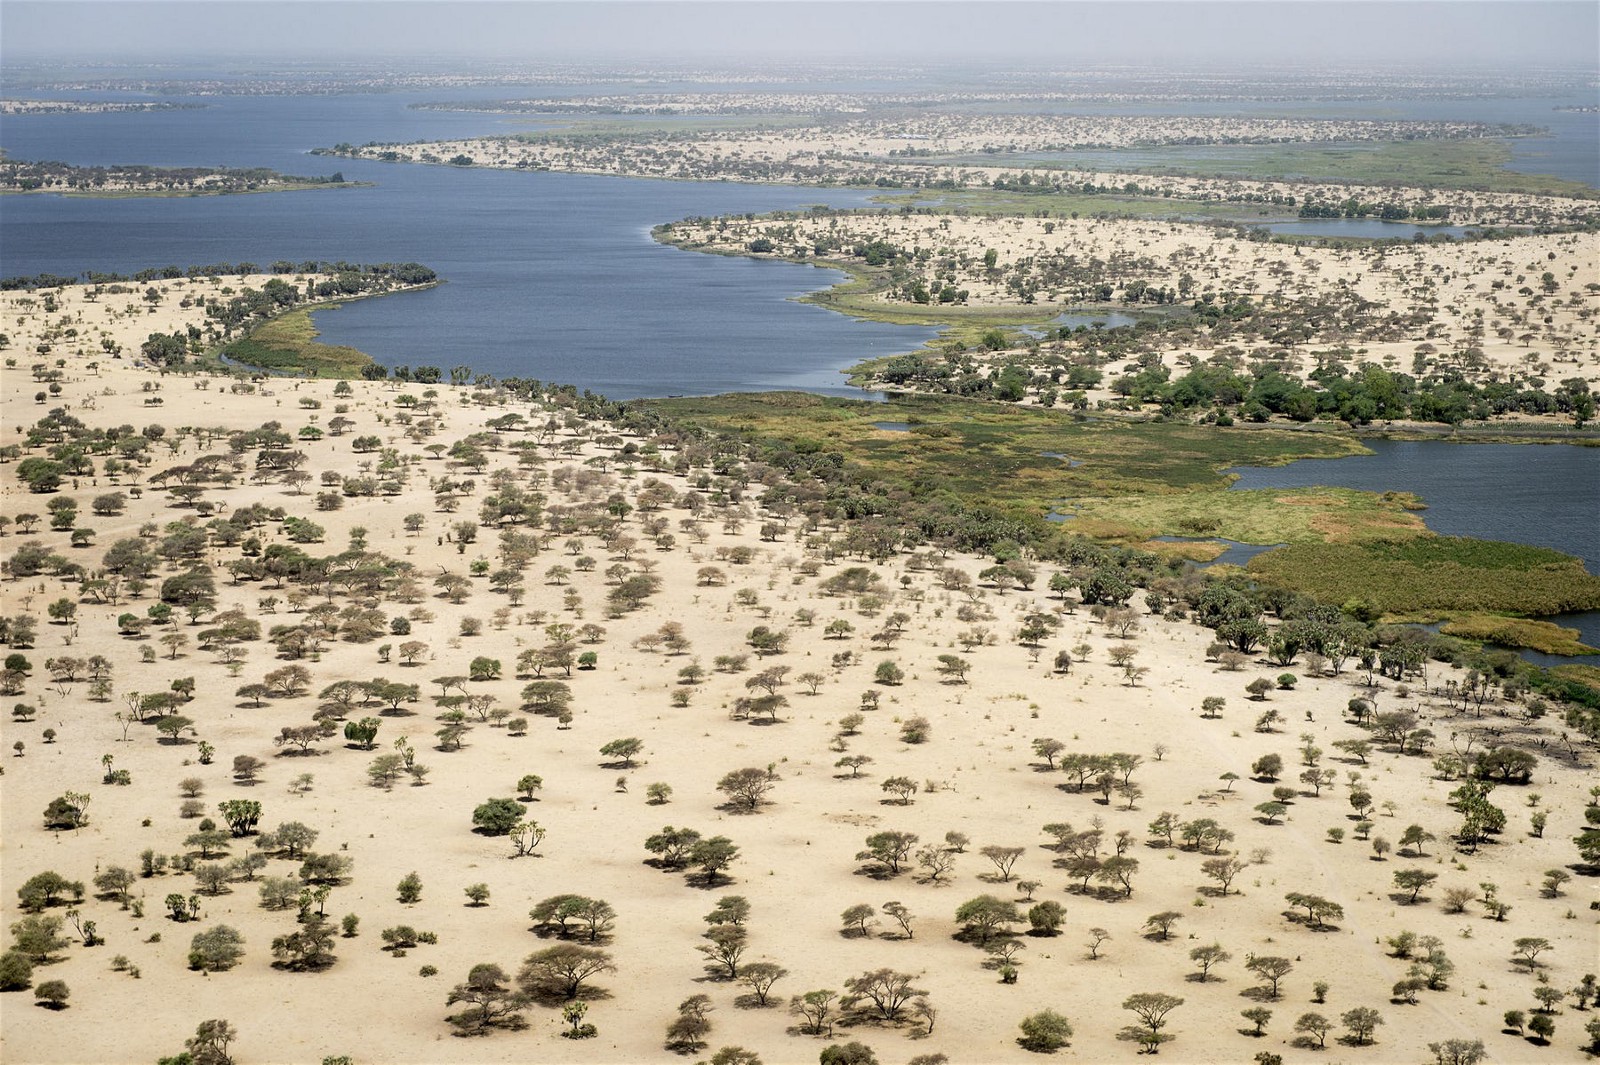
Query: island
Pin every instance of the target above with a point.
(65, 179)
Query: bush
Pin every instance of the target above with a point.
(497, 816)
(16, 971)
(53, 993)
(1045, 1032)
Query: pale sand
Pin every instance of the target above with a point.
(797, 868)
(862, 152)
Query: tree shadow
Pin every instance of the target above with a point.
(751, 1001)
(556, 997)
(707, 881)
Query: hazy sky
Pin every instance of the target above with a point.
(1192, 32)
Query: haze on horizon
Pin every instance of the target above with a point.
(1454, 35)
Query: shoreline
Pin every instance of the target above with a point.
(311, 343)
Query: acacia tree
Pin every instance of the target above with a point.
(210, 1043)
(1207, 957)
(1315, 1026)
(1223, 871)
(623, 750)
(985, 917)
(725, 948)
(688, 1030)
(1271, 969)
(1318, 909)
(1003, 858)
(759, 976)
(217, 949)
(673, 846)
(902, 916)
(1118, 869)
(1413, 880)
(308, 949)
(1361, 1022)
(711, 856)
(902, 787)
(814, 1008)
(491, 1002)
(889, 992)
(1152, 1008)
(562, 970)
(747, 787)
(855, 919)
(937, 860)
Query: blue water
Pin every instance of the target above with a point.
(1235, 554)
(1547, 495)
(1368, 228)
(553, 276)
(550, 276)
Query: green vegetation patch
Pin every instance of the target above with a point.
(1439, 573)
(1542, 636)
(1478, 163)
(859, 297)
(1265, 516)
(288, 344)
(1004, 454)
(1587, 676)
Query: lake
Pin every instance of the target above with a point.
(553, 276)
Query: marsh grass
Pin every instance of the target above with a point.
(1543, 636)
(1438, 573)
(1263, 516)
(288, 344)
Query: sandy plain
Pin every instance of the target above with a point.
(977, 772)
